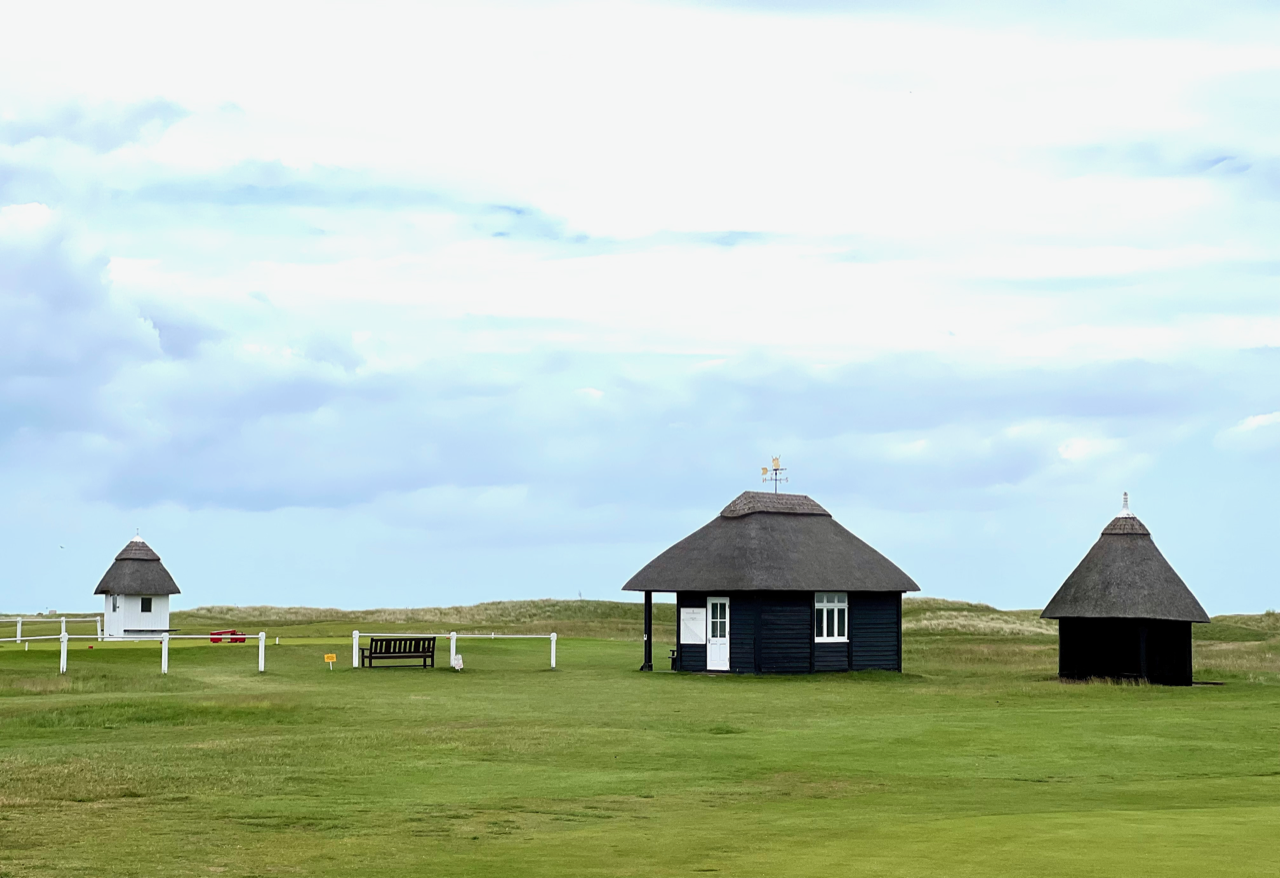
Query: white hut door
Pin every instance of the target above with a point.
(717, 634)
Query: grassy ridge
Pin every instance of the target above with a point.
(623, 620)
(614, 620)
(606, 619)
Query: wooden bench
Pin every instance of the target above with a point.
(398, 649)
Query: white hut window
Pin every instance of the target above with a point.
(146, 605)
(831, 616)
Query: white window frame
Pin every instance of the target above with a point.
(830, 611)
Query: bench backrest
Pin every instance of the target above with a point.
(402, 645)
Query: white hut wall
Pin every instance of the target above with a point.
(128, 617)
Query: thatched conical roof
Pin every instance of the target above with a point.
(1124, 576)
(771, 542)
(137, 571)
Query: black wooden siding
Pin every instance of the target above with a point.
(786, 632)
(744, 611)
(831, 656)
(1157, 650)
(875, 631)
(772, 633)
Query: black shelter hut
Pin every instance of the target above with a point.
(1124, 613)
(774, 584)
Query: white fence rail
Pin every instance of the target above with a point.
(96, 620)
(163, 639)
(453, 642)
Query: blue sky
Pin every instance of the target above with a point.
(412, 304)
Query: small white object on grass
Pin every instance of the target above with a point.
(456, 661)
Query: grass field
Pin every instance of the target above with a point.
(976, 761)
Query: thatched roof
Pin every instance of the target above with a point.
(137, 571)
(771, 542)
(1124, 576)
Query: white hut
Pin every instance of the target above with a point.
(136, 589)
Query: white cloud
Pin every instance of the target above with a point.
(1253, 422)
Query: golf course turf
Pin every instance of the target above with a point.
(975, 761)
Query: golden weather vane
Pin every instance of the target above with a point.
(774, 474)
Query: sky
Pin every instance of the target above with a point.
(417, 304)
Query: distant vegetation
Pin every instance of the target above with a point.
(618, 620)
(613, 620)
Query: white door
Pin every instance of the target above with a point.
(717, 634)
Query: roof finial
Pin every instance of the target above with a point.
(777, 471)
(137, 535)
(1124, 509)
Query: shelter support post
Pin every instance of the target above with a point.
(97, 627)
(648, 632)
(355, 649)
(62, 662)
(164, 653)
(262, 652)
(553, 650)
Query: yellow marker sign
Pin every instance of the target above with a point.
(330, 658)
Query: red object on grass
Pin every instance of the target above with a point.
(216, 636)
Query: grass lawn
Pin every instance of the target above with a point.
(974, 762)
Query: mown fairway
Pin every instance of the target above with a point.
(975, 762)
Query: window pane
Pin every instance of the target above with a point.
(841, 598)
(831, 623)
(819, 628)
(840, 623)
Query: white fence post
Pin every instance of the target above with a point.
(62, 663)
(553, 650)
(19, 629)
(262, 652)
(64, 626)
(453, 646)
(164, 653)
(355, 649)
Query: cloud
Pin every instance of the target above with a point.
(245, 427)
(61, 335)
(1255, 433)
(101, 128)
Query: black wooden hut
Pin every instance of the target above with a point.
(775, 585)
(1124, 612)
